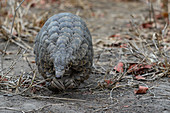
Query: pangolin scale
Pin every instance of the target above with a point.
(64, 51)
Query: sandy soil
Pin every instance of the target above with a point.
(110, 18)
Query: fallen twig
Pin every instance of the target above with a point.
(33, 85)
(56, 98)
(14, 63)
(13, 109)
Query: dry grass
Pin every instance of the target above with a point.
(20, 25)
(17, 28)
(147, 47)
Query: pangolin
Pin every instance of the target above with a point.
(64, 51)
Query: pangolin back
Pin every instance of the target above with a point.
(64, 51)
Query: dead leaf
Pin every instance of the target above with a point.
(147, 25)
(108, 82)
(138, 77)
(159, 16)
(123, 46)
(114, 35)
(33, 61)
(126, 106)
(4, 79)
(119, 67)
(138, 67)
(141, 90)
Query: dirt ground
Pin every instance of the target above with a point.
(109, 17)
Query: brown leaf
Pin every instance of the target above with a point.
(165, 14)
(141, 90)
(32, 61)
(114, 35)
(147, 25)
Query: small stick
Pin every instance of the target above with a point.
(153, 14)
(5, 48)
(8, 84)
(19, 83)
(36, 110)
(57, 98)
(32, 81)
(15, 42)
(29, 64)
(13, 109)
(12, 26)
(13, 63)
(33, 85)
(2, 68)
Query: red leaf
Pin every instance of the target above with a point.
(119, 67)
(159, 16)
(123, 46)
(126, 106)
(93, 14)
(4, 79)
(138, 67)
(165, 14)
(128, 25)
(43, 2)
(10, 16)
(133, 68)
(140, 77)
(33, 61)
(108, 82)
(114, 35)
(147, 66)
(141, 90)
(147, 25)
